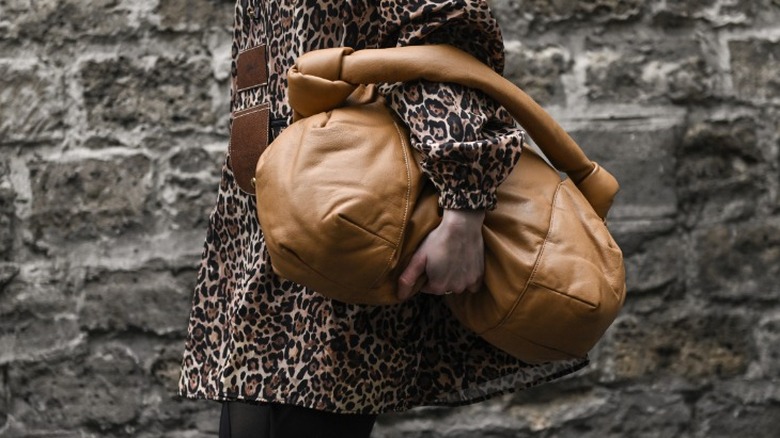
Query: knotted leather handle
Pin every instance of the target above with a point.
(322, 79)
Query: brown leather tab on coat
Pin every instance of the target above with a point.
(248, 140)
(252, 68)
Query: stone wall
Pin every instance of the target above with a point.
(113, 118)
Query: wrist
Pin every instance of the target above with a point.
(463, 219)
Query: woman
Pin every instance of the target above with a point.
(286, 361)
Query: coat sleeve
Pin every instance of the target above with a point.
(468, 141)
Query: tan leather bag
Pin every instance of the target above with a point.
(343, 205)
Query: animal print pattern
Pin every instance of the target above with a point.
(468, 141)
(255, 336)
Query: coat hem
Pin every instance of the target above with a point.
(397, 408)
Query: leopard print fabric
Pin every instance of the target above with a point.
(254, 336)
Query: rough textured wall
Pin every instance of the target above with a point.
(113, 118)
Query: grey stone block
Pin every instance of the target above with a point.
(723, 416)
(512, 17)
(587, 413)
(190, 186)
(767, 337)
(154, 302)
(31, 102)
(7, 222)
(673, 13)
(738, 263)
(689, 13)
(652, 70)
(752, 13)
(537, 71)
(37, 308)
(97, 391)
(633, 413)
(7, 273)
(56, 22)
(700, 346)
(25, 337)
(543, 14)
(7, 214)
(185, 15)
(42, 291)
(754, 65)
(86, 198)
(721, 171)
(5, 398)
(643, 163)
(169, 92)
(655, 275)
(190, 160)
(652, 252)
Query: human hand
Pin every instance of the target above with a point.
(452, 257)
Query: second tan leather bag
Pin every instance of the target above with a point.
(343, 205)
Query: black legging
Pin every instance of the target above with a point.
(272, 420)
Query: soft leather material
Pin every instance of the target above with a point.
(248, 140)
(251, 68)
(345, 205)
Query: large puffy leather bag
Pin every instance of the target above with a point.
(343, 205)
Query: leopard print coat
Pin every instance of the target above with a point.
(257, 337)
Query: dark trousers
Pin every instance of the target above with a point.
(273, 420)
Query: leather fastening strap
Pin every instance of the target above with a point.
(252, 68)
(249, 127)
(248, 140)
